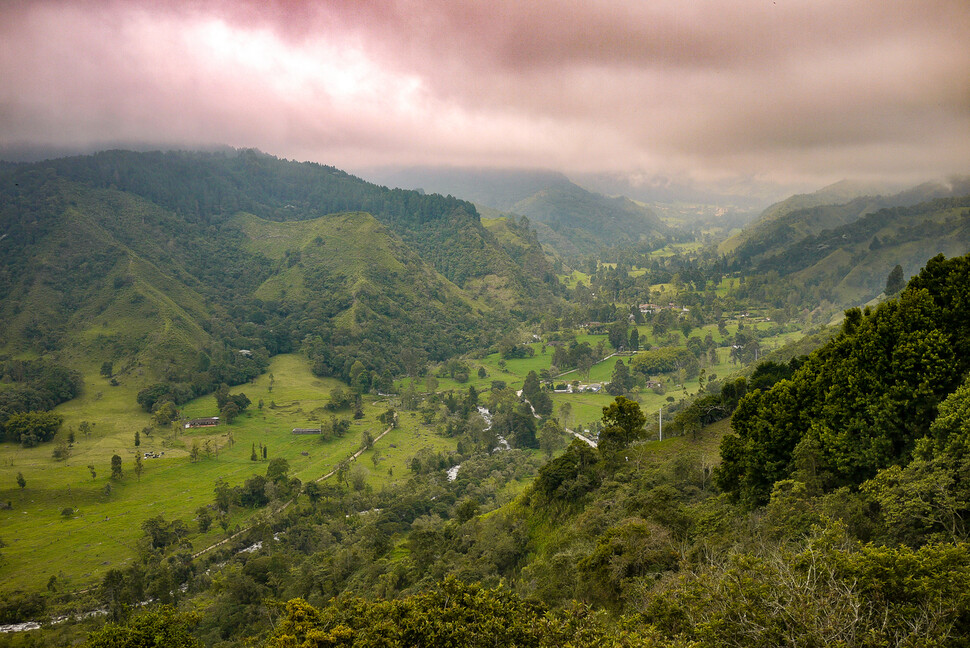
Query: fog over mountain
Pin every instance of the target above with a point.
(663, 100)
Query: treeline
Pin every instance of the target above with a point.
(864, 401)
(28, 390)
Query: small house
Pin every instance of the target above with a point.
(202, 422)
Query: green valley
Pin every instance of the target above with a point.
(249, 401)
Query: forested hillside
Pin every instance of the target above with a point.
(582, 222)
(854, 260)
(866, 400)
(569, 219)
(140, 259)
(839, 204)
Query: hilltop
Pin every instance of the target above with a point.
(154, 260)
(568, 219)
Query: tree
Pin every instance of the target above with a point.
(896, 281)
(617, 335)
(107, 369)
(551, 437)
(686, 327)
(531, 386)
(162, 627)
(204, 517)
(165, 413)
(277, 469)
(94, 474)
(522, 425)
(137, 438)
(21, 481)
(230, 411)
(565, 413)
(634, 339)
(253, 456)
(621, 381)
(313, 491)
(623, 423)
(116, 467)
(139, 466)
(358, 477)
(32, 428)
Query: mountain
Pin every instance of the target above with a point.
(852, 261)
(569, 220)
(168, 263)
(832, 206)
(582, 222)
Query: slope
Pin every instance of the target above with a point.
(374, 293)
(839, 204)
(87, 273)
(139, 258)
(854, 260)
(209, 188)
(582, 222)
(568, 219)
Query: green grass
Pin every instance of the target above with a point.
(573, 278)
(104, 531)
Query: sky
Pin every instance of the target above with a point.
(729, 93)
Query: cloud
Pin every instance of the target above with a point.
(788, 91)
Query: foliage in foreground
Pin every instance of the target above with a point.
(452, 614)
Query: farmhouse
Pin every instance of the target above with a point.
(202, 422)
(307, 431)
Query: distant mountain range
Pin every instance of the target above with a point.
(569, 219)
(848, 248)
(832, 206)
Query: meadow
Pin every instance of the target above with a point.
(103, 528)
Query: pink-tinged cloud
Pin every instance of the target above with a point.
(785, 90)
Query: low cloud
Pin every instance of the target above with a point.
(788, 92)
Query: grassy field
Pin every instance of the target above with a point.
(104, 529)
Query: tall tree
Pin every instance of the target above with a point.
(895, 282)
(617, 335)
(623, 423)
(620, 380)
(530, 388)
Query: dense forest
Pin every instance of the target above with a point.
(136, 239)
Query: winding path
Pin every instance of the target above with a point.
(330, 474)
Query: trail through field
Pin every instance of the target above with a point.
(330, 474)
